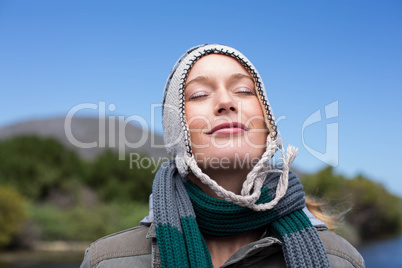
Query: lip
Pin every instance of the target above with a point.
(228, 128)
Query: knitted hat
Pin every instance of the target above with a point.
(177, 135)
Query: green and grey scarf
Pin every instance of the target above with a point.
(183, 213)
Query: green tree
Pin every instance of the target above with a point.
(117, 180)
(374, 211)
(34, 165)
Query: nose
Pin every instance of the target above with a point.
(224, 102)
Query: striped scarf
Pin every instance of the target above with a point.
(183, 213)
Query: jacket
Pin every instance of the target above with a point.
(137, 247)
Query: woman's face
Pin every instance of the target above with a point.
(224, 115)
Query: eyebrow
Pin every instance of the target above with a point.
(203, 78)
(241, 76)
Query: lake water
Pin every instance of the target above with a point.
(384, 254)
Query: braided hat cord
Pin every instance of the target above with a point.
(184, 214)
(269, 197)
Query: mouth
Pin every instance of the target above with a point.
(228, 128)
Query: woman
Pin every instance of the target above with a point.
(222, 202)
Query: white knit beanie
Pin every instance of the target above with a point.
(177, 135)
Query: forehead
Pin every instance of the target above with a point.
(216, 65)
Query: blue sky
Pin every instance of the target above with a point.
(55, 55)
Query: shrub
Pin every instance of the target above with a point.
(86, 224)
(12, 214)
(114, 179)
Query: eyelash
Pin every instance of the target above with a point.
(198, 95)
(245, 90)
(242, 90)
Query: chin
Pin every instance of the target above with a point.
(233, 158)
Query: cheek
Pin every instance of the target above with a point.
(197, 117)
(255, 116)
(197, 123)
(259, 130)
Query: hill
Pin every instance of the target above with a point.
(93, 133)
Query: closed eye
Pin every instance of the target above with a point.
(198, 95)
(244, 90)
